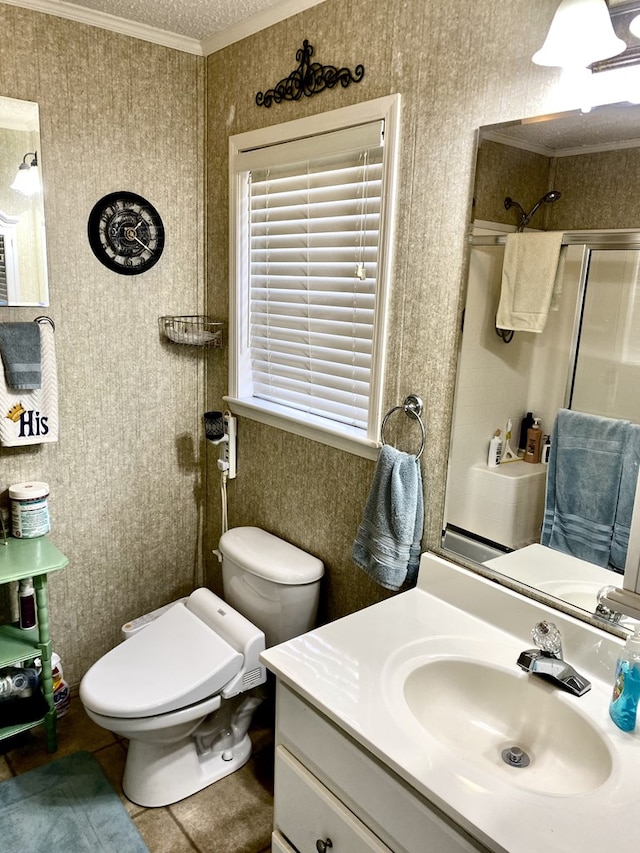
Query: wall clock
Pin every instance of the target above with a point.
(126, 233)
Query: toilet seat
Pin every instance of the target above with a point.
(175, 661)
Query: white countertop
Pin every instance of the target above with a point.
(352, 671)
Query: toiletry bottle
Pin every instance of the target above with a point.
(525, 426)
(546, 449)
(534, 439)
(18, 682)
(495, 450)
(27, 603)
(626, 687)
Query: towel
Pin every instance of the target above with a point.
(626, 499)
(387, 544)
(583, 486)
(31, 417)
(532, 270)
(20, 349)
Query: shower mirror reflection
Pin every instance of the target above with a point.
(23, 267)
(574, 176)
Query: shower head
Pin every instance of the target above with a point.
(525, 218)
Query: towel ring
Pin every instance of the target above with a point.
(412, 406)
(44, 319)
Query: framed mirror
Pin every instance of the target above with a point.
(23, 260)
(578, 174)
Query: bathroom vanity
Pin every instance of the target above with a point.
(30, 558)
(396, 728)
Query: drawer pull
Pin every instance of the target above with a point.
(323, 846)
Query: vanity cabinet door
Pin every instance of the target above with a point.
(279, 844)
(311, 818)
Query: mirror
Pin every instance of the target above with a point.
(588, 356)
(23, 263)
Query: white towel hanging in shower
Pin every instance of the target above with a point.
(533, 263)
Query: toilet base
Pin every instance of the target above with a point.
(161, 774)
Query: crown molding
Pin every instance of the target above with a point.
(279, 11)
(110, 22)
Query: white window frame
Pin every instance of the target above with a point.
(318, 429)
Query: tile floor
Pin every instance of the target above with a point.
(232, 816)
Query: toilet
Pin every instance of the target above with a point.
(181, 689)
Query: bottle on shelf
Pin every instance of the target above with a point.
(495, 450)
(27, 604)
(534, 442)
(525, 426)
(18, 682)
(545, 449)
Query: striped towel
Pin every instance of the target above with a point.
(387, 544)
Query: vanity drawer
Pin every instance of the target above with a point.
(404, 821)
(307, 813)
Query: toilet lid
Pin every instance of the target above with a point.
(175, 661)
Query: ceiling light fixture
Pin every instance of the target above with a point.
(581, 33)
(27, 179)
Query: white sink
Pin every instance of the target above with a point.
(480, 711)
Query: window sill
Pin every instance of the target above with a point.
(282, 418)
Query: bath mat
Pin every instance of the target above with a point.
(67, 806)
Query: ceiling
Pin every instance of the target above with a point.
(611, 126)
(195, 26)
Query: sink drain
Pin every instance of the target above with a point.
(515, 757)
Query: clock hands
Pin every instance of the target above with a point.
(130, 234)
(144, 245)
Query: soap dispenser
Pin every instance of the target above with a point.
(623, 707)
(534, 440)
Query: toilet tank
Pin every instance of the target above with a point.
(272, 583)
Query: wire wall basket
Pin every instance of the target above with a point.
(195, 330)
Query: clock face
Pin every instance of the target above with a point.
(126, 233)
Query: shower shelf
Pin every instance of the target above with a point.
(194, 330)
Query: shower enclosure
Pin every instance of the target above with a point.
(587, 359)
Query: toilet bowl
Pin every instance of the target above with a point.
(182, 689)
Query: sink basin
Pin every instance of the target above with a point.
(480, 711)
(583, 594)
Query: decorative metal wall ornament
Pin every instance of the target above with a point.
(309, 78)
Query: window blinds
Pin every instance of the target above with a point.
(314, 229)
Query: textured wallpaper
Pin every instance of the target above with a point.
(457, 66)
(115, 113)
(129, 474)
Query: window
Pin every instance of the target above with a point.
(311, 214)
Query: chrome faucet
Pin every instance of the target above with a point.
(603, 611)
(546, 660)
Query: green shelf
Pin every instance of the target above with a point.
(27, 558)
(30, 558)
(17, 645)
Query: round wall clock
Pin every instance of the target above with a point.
(126, 233)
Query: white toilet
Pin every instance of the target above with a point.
(176, 688)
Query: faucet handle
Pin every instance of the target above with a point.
(547, 637)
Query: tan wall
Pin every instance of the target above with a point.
(598, 190)
(457, 66)
(122, 113)
(115, 113)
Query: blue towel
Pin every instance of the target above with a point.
(20, 349)
(387, 544)
(626, 498)
(583, 485)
